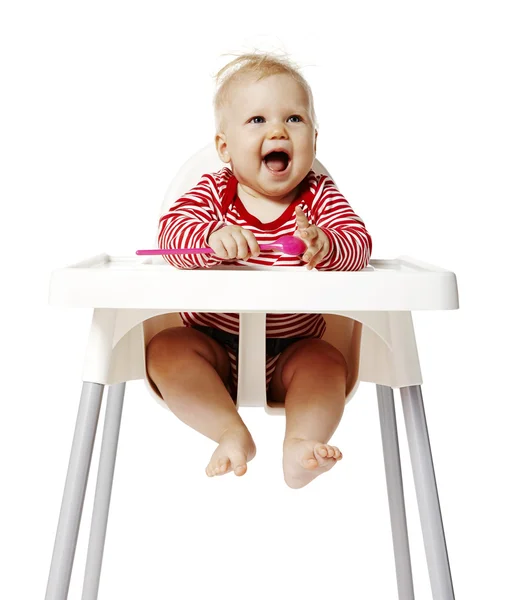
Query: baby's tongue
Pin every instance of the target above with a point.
(275, 162)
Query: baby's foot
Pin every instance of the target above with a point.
(236, 448)
(304, 460)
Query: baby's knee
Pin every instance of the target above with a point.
(332, 354)
(331, 359)
(314, 356)
(321, 352)
(166, 347)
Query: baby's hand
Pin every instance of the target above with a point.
(318, 244)
(233, 241)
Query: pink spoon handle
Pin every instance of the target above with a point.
(286, 243)
(192, 250)
(175, 251)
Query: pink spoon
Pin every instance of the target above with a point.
(287, 243)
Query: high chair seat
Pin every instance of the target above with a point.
(368, 316)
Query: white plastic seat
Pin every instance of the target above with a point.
(133, 299)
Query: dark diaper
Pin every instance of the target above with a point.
(274, 346)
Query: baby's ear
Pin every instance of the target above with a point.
(315, 143)
(222, 147)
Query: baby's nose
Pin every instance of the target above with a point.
(277, 131)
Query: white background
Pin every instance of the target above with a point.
(101, 103)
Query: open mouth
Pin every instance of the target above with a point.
(277, 161)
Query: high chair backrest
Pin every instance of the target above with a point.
(342, 332)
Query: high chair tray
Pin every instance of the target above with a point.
(105, 281)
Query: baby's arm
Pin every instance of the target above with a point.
(189, 223)
(350, 242)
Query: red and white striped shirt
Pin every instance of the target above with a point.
(214, 203)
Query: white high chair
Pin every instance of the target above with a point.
(368, 316)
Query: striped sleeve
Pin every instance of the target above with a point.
(190, 221)
(350, 242)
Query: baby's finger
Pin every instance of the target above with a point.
(319, 255)
(309, 233)
(312, 250)
(230, 245)
(219, 249)
(242, 246)
(301, 218)
(316, 258)
(309, 253)
(252, 241)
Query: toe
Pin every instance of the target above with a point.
(309, 463)
(238, 463)
(324, 451)
(240, 470)
(223, 465)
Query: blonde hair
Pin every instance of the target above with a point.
(260, 65)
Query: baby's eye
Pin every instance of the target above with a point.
(257, 120)
(296, 119)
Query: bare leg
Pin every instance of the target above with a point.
(311, 375)
(190, 369)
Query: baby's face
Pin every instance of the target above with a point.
(268, 135)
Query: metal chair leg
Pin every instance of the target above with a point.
(396, 498)
(103, 491)
(427, 494)
(74, 492)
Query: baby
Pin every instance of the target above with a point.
(266, 134)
